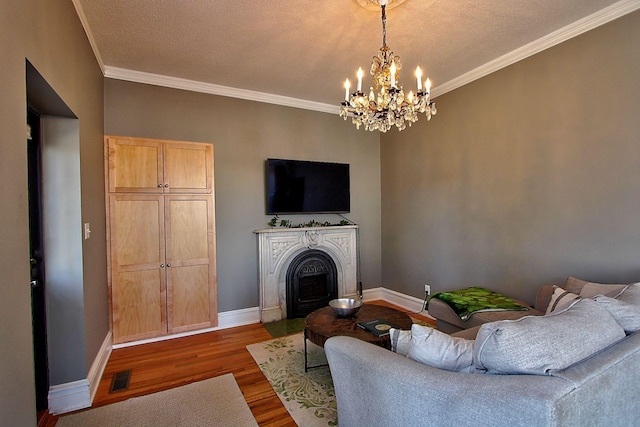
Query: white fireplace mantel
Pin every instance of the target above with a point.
(277, 247)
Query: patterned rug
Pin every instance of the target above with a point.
(308, 396)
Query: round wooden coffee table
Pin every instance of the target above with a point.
(324, 323)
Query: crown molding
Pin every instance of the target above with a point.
(581, 26)
(214, 89)
(87, 30)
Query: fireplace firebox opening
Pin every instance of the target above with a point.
(312, 281)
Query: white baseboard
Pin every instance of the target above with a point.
(409, 303)
(99, 363)
(69, 397)
(228, 319)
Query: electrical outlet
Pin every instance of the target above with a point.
(427, 289)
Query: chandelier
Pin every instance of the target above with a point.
(390, 106)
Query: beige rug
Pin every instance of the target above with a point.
(308, 396)
(214, 402)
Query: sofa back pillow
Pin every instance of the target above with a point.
(540, 344)
(627, 315)
(435, 348)
(590, 289)
(631, 294)
(560, 299)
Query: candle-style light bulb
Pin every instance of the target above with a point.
(347, 85)
(419, 78)
(428, 85)
(360, 74)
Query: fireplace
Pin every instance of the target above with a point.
(330, 249)
(311, 283)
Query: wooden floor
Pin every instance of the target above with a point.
(176, 362)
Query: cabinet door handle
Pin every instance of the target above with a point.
(159, 185)
(168, 265)
(166, 186)
(161, 265)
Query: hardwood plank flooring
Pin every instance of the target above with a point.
(176, 362)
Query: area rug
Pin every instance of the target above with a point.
(308, 396)
(214, 402)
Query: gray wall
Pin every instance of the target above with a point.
(244, 134)
(49, 35)
(62, 239)
(524, 177)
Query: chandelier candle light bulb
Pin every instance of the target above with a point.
(387, 106)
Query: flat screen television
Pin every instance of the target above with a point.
(300, 186)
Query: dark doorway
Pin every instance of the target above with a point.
(38, 305)
(312, 281)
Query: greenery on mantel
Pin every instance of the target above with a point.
(286, 223)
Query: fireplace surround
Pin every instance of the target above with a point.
(279, 247)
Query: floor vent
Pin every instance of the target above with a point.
(120, 381)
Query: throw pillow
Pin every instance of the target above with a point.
(627, 315)
(435, 348)
(540, 344)
(591, 289)
(631, 294)
(400, 341)
(560, 299)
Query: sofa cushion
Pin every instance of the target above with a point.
(560, 299)
(590, 289)
(400, 341)
(627, 315)
(437, 349)
(540, 344)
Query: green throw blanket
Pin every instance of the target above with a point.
(471, 300)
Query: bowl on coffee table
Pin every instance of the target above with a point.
(345, 307)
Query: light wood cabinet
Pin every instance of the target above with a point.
(162, 271)
(139, 165)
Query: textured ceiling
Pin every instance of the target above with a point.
(305, 49)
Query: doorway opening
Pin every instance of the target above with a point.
(36, 248)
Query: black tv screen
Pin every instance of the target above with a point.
(298, 186)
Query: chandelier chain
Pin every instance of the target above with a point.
(384, 26)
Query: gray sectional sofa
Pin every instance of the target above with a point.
(579, 366)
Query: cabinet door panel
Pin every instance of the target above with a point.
(188, 168)
(135, 165)
(189, 299)
(138, 282)
(188, 229)
(139, 305)
(190, 252)
(137, 231)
